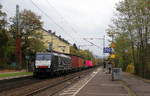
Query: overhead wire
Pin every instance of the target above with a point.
(46, 14)
(91, 43)
(74, 30)
(51, 19)
(58, 24)
(62, 18)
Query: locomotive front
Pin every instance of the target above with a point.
(42, 64)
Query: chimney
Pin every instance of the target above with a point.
(54, 33)
(59, 36)
(49, 31)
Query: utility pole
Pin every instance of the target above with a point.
(18, 39)
(52, 42)
(103, 48)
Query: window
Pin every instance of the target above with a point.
(43, 57)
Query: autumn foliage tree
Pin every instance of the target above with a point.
(82, 53)
(132, 22)
(29, 23)
(6, 47)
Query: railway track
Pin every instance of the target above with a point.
(53, 89)
(51, 86)
(46, 87)
(16, 82)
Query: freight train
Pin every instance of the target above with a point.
(52, 63)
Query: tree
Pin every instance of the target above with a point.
(29, 23)
(86, 54)
(6, 47)
(133, 19)
(79, 52)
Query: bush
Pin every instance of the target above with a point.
(130, 68)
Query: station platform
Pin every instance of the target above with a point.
(138, 85)
(102, 85)
(97, 83)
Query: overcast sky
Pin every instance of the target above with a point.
(72, 19)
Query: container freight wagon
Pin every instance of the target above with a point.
(77, 63)
(81, 63)
(51, 64)
(88, 63)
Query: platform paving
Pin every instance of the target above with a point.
(97, 83)
(102, 85)
(139, 86)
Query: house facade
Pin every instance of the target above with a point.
(54, 42)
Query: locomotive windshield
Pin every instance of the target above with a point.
(43, 57)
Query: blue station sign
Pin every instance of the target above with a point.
(107, 50)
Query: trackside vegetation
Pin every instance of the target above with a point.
(15, 74)
(130, 32)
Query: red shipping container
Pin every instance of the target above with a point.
(81, 63)
(77, 61)
(74, 61)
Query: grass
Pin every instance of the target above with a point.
(15, 74)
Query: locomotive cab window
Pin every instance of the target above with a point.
(43, 57)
